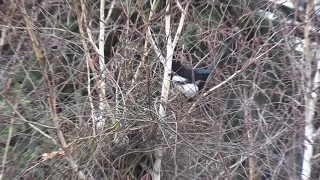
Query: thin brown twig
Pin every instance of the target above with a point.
(3, 36)
(82, 18)
(244, 67)
(4, 159)
(52, 101)
(30, 123)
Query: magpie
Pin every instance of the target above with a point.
(190, 81)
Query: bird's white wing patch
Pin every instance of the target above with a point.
(176, 79)
(188, 89)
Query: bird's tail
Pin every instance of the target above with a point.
(224, 51)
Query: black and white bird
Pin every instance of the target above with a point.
(191, 81)
(188, 81)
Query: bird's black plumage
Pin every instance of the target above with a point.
(190, 81)
(199, 74)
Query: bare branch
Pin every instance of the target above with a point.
(310, 99)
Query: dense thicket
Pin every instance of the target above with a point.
(251, 127)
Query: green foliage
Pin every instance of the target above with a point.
(35, 80)
(25, 158)
(26, 102)
(6, 111)
(4, 134)
(17, 86)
